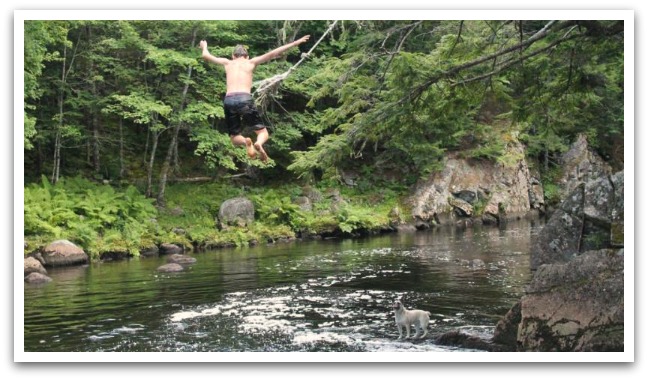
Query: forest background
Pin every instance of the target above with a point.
(125, 144)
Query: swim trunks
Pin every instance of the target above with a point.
(240, 112)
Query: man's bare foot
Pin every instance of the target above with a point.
(263, 155)
(251, 152)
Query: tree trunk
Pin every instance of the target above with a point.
(93, 110)
(56, 167)
(148, 138)
(149, 169)
(57, 157)
(121, 148)
(166, 166)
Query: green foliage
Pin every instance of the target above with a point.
(375, 97)
(274, 208)
(95, 216)
(353, 218)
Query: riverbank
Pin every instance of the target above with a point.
(112, 221)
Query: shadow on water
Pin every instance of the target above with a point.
(303, 296)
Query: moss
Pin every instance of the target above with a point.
(616, 234)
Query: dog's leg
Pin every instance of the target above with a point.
(418, 329)
(400, 331)
(407, 328)
(425, 330)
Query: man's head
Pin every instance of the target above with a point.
(239, 51)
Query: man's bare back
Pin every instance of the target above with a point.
(239, 73)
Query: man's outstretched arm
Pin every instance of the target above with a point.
(210, 58)
(278, 51)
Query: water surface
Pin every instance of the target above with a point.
(332, 295)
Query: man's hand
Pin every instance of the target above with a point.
(203, 44)
(302, 40)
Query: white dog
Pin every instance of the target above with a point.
(419, 318)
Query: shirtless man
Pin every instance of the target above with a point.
(238, 103)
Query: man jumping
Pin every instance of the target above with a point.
(238, 103)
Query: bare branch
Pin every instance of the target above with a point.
(506, 64)
(458, 37)
(456, 69)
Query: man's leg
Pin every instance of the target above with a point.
(239, 140)
(262, 137)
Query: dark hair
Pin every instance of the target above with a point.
(239, 51)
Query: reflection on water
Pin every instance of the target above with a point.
(305, 296)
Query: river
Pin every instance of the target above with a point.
(327, 295)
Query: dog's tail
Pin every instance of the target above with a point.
(429, 314)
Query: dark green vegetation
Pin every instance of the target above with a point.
(132, 103)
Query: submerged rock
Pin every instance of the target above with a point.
(169, 268)
(181, 259)
(37, 278)
(457, 338)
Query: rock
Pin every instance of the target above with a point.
(37, 278)
(457, 338)
(178, 231)
(478, 264)
(333, 194)
(349, 177)
(304, 203)
(394, 214)
(170, 268)
(489, 219)
(150, 251)
(616, 211)
(587, 219)
(580, 164)
(405, 228)
(559, 239)
(176, 211)
(181, 259)
(170, 249)
(63, 252)
(504, 189)
(506, 329)
(576, 306)
(115, 255)
(236, 211)
(468, 196)
(313, 194)
(461, 207)
(32, 265)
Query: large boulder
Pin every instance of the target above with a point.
(501, 190)
(559, 239)
(575, 306)
(61, 253)
(580, 164)
(589, 218)
(236, 211)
